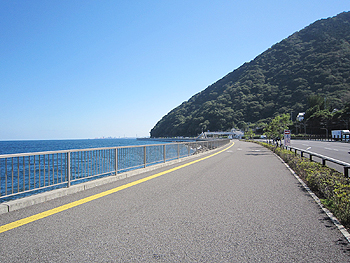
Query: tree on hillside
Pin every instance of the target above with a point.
(275, 129)
(342, 117)
(318, 115)
(316, 103)
(249, 134)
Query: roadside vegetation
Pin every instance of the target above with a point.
(328, 184)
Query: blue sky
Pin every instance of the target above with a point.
(84, 69)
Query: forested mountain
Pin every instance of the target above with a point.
(313, 61)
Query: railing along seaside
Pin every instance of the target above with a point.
(28, 173)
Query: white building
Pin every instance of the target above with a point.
(300, 116)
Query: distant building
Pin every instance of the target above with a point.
(341, 135)
(233, 134)
(237, 133)
(300, 116)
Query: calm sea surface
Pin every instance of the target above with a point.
(9, 147)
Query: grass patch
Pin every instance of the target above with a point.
(329, 185)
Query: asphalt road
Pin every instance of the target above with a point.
(336, 150)
(241, 205)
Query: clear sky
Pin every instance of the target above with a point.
(74, 69)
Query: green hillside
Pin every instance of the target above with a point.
(313, 61)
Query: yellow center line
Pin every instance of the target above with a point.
(56, 210)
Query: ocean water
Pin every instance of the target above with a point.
(26, 175)
(10, 147)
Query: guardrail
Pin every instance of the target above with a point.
(26, 173)
(323, 158)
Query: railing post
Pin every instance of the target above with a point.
(68, 169)
(178, 151)
(164, 152)
(346, 171)
(144, 156)
(323, 162)
(116, 161)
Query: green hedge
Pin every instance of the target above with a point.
(328, 184)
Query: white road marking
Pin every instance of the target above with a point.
(331, 149)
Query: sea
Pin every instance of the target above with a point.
(29, 146)
(25, 176)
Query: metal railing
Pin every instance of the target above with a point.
(323, 158)
(32, 172)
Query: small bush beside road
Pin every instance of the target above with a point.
(328, 184)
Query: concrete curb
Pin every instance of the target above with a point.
(46, 196)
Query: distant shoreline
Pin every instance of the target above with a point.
(167, 139)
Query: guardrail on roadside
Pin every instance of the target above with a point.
(323, 158)
(31, 172)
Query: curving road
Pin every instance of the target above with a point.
(241, 205)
